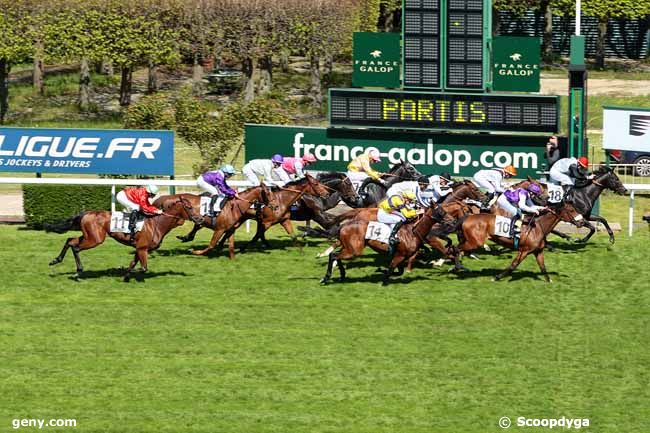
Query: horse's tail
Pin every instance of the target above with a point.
(65, 225)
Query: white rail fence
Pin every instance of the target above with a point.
(239, 184)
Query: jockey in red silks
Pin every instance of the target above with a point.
(137, 201)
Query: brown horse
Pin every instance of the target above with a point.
(351, 239)
(278, 212)
(476, 229)
(95, 226)
(229, 219)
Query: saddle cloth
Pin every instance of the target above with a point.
(377, 231)
(502, 226)
(120, 222)
(204, 206)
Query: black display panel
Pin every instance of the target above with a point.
(465, 44)
(421, 43)
(444, 111)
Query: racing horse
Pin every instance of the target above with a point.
(310, 207)
(95, 226)
(351, 240)
(476, 229)
(230, 217)
(279, 211)
(584, 198)
(376, 192)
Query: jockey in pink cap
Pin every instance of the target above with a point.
(296, 166)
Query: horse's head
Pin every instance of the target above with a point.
(606, 177)
(404, 170)
(567, 213)
(183, 210)
(466, 189)
(314, 187)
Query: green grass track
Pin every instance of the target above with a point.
(257, 345)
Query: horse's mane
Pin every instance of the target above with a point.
(298, 182)
(397, 166)
(603, 169)
(330, 175)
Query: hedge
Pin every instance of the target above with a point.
(51, 203)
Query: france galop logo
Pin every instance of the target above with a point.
(375, 54)
(515, 57)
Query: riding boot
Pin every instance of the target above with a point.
(133, 218)
(393, 240)
(488, 198)
(213, 200)
(514, 233)
(567, 190)
(362, 188)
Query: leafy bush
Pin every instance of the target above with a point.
(150, 112)
(51, 203)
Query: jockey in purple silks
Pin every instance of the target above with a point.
(214, 182)
(514, 201)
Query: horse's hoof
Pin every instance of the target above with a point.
(55, 262)
(341, 279)
(323, 281)
(127, 278)
(384, 283)
(612, 240)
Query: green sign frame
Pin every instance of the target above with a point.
(376, 60)
(430, 152)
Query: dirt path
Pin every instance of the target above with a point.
(560, 86)
(11, 206)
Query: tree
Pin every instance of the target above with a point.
(133, 36)
(322, 29)
(199, 34)
(606, 9)
(15, 46)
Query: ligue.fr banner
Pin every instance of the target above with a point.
(87, 151)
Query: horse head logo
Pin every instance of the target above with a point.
(375, 54)
(515, 57)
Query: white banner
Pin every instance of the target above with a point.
(626, 129)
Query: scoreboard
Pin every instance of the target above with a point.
(444, 111)
(444, 44)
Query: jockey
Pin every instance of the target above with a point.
(491, 179)
(265, 168)
(394, 211)
(567, 171)
(214, 182)
(296, 166)
(514, 201)
(360, 172)
(439, 185)
(136, 200)
(420, 189)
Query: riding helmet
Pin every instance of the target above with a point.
(277, 158)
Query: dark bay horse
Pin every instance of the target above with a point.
(311, 207)
(376, 192)
(476, 229)
(231, 216)
(351, 239)
(584, 199)
(95, 226)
